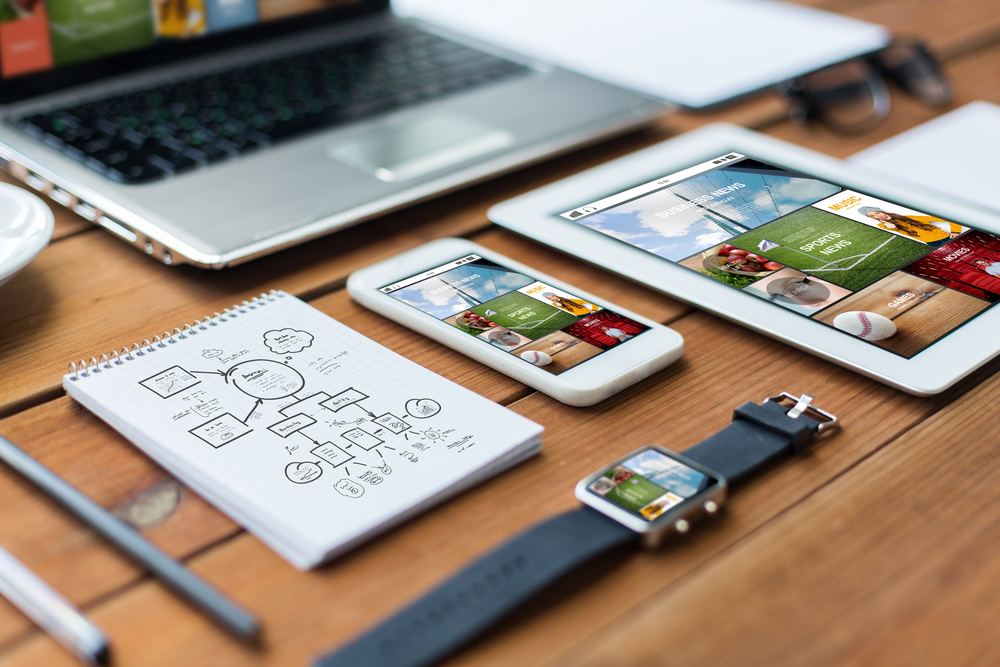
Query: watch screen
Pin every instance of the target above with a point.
(895, 277)
(650, 483)
(537, 323)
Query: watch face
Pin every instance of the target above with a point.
(649, 483)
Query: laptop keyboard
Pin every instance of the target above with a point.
(149, 134)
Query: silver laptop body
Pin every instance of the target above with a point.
(228, 212)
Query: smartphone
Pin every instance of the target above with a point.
(556, 338)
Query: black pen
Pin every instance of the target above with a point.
(223, 611)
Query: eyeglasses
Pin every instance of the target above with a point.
(853, 96)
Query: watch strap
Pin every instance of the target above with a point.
(462, 608)
(758, 435)
(449, 617)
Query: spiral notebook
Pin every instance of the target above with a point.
(307, 433)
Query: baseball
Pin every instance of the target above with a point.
(863, 324)
(537, 358)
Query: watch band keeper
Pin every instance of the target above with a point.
(773, 416)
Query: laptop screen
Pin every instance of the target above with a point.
(43, 37)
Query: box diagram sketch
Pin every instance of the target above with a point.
(323, 425)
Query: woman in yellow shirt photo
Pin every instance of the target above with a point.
(577, 307)
(935, 232)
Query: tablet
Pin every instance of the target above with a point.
(897, 284)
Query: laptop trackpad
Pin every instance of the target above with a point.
(419, 146)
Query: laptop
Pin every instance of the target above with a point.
(211, 132)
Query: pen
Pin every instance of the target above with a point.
(51, 611)
(223, 611)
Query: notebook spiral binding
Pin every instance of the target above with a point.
(84, 368)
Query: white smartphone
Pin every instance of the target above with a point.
(562, 341)
(896, 284)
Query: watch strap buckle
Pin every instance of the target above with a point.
(803, 406)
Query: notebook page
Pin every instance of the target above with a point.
(303, 430)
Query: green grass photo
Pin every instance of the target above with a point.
(524, 315)
(835, 249)
(85, 29)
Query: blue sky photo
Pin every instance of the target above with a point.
(763, 198)
(459, 289)
(667, 473)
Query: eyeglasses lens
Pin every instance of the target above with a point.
(849, 97)
(911, 66)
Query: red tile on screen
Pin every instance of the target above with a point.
(605, 329)
(24, 42)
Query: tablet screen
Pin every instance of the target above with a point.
(893, 276)
(540, 324)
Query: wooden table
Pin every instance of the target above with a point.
(879, 547)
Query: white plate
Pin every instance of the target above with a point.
(26, 225)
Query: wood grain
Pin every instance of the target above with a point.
(107, 468)
(66, 305)
(101, 463)
(975, 76)
(876, 548)
(397, 566)
(922, 311)
(893, 563)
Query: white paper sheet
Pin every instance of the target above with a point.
(954, 154)
(693, 52)
(312, 436)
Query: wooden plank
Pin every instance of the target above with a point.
(922, 311)
(63, 308)
(97, 460)
(306, 613)
(65, 323)
(894, 563)
(90, 294)
(975, 76)
(266, 579)
(755, 113)
(951, 29)
(93, 457)
(107, 468)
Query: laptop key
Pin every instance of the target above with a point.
(135, 171)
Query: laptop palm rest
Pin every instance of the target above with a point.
(419, 146)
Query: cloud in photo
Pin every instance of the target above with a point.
(459, 289)
(762, 199)
(440, 305)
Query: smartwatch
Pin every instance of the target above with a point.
(640, 499)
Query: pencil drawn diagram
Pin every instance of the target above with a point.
(349, 488)
(341, 427)
(303, 473)
(221, 430)
(287, 341)
(422, 408)
(172, 381)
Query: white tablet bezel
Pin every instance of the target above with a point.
(536, 215)
(586, 384)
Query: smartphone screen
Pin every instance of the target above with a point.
(542, 325)
(895, 277)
